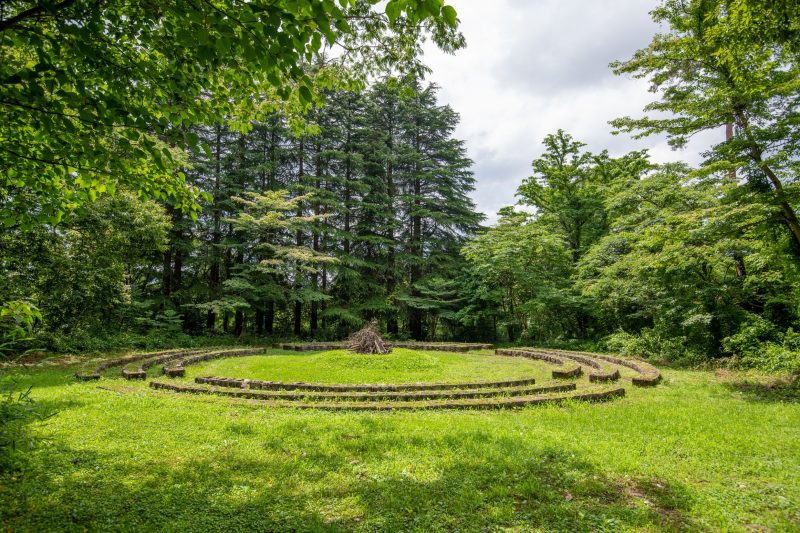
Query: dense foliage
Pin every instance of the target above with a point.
(359, 214)
(669, 261)
(303, 193)
(99, 96)
(656, 260)
(108, 104)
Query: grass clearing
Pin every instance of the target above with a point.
(701, 451)
(401, 366)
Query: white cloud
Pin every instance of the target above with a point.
(532, 67)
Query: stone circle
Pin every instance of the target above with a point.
(602, 383)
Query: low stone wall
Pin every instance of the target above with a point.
(443, 347)
(437, 395)
(312, 347)
(370, 396)
(347, 404)
(134, 374)
(336, 387)
(648, 374)
(140, 372)
(566, 370)
(178, 369)
(599, 371)
(121, 361)
(150, 359)
(428, 346)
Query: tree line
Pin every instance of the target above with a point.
(305, 230)
(666, 260)
(263, 199)
(377, 207)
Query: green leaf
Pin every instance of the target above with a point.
(393, 11)
(305, 95)
(449, 14)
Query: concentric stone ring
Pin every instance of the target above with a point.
(604, 375)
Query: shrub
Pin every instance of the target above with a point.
(169, 321)
(17, 319)
(774, 358)
(17, 412)
(82, 341)
(751, 337)
(653, 344)
(761, 345)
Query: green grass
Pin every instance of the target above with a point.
(698, 452)
(401, 366)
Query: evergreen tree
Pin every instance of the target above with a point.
(436, 213)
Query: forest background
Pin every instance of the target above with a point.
(264, 188)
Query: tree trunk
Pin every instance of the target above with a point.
(738, 260)
(238, 323)
(166, 270)
(177, 236)
(259, 322)
(298, 306)
(298, 319)
(391, 282)
(166, 273)
(177, 273)
(313, 318)
(324, 290)
(756, 153)
(348, 174)
(214, 277)
(269, 318)
(789, 216)
(415, 315)
(513, 315)
(729, 138)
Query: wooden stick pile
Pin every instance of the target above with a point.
(368, 340)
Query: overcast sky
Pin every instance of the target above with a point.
(533, 66)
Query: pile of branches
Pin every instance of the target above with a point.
(368, 340)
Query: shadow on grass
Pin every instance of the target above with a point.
(302, 483)
(786, 390)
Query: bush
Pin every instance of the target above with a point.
(773, 358)
(17, 319)
(752, 335)
(169, 322)
(653, 344)
(17, 412)
(761, 345)
(81, 341)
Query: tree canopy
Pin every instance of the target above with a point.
(734, 63)
(282, 169)
(99, 96)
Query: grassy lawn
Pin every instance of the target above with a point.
(701, 451)
(401, 366)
